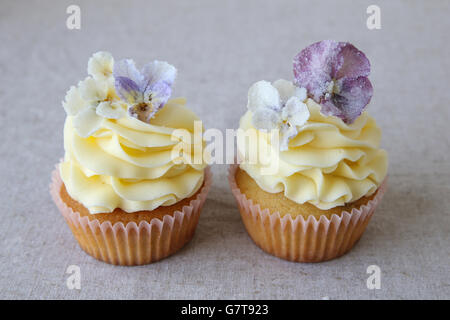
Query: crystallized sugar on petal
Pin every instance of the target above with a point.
(109, 110)
(355, 94)
(73, 102)
(127, 69)
(128, 90)
(158, 93)
(278, 106)
(301, 93)
(158, 71)
(266, 118)
(92, 90)
(101, 65)
(313, 67)
(87, 122)
(263, 95)
(286, 89)
(145, 92)
(296, 113)
(335, 75)
(353, 63)
(117, 89)
(142, 111)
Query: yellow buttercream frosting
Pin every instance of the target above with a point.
(328, 163)
(129, 164)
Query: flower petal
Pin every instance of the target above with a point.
(263, 95)
(301, 93)
(73, 102)
(109, 110)
(158, 93)
(157, 71)
(352, 63)
(295, 112)
(266, 118)
(286, 89)
(348, 105)
(128, 90)
(92, 90)
(87, 122)
(335, 75)
(142, 111)
(314, 66)
(127, 69)
(101, 65)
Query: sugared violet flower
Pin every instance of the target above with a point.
(144, 91)
(335, 75)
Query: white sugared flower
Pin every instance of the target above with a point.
(93, 98)
(278, 106)
(118, 89)
(101, 65)
(92, 90)
(73, 102)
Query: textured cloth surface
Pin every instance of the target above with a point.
(220, 48)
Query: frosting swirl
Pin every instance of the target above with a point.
(129, 164)
(328, 163)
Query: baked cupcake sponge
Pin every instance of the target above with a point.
(134, 238)
(299, 232)
(278, 202)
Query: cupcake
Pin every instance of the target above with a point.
(311, 171)
(126, 191)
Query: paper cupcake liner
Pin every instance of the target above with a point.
(132, 244)
(299, 239)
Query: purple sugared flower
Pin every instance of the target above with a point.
(145, 91)
(335, 75)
